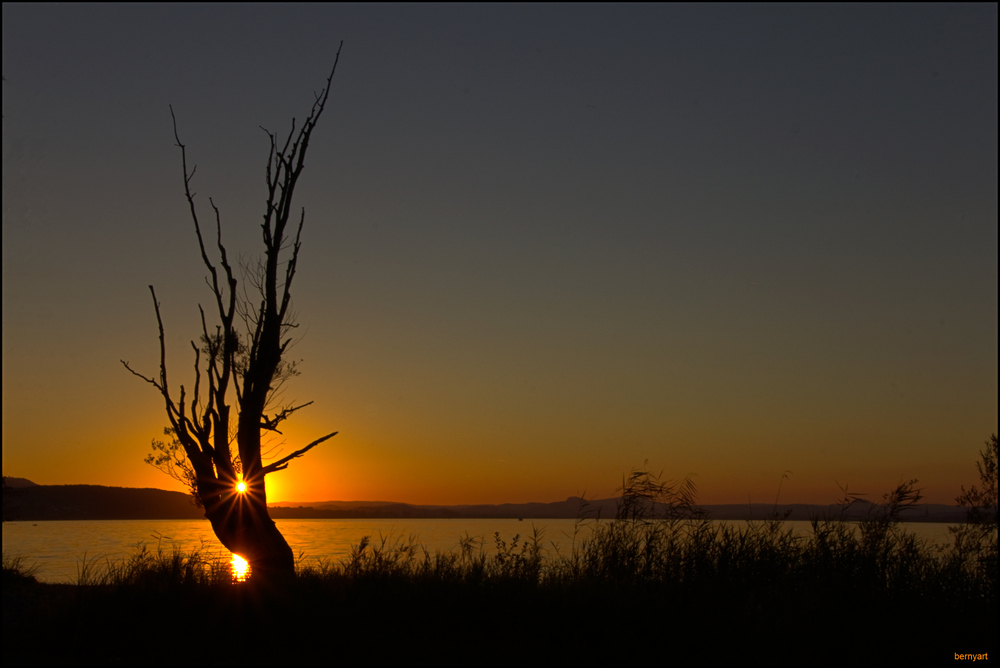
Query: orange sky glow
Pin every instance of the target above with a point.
(541, 247)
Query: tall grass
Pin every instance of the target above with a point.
(153, 568)
(17, 569)
(657, 536)
(656, 583)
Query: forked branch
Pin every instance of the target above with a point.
(271, 424)
(283, 462)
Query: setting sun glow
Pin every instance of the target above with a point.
(241, 569)
(241, 487)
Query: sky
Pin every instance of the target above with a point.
(544, 245)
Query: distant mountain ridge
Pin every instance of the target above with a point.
(577, 507)
(31, 502)
(96, 502)
(17, 483)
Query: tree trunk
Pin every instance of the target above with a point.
(243, 525)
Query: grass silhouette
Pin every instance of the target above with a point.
(657, 583)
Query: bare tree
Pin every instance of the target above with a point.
(241, 369)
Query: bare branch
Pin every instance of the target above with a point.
(197, 379)
(136, 373)
(271, 424)
(283, 462)
(194, 212)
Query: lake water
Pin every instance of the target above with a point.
(59, 548)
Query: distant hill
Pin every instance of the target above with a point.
(17, 483)
(576, 507)
(570, 508)
(925, 512)
(95, 502)
(31, 502)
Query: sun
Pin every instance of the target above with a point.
(241, 487)
(240, 568)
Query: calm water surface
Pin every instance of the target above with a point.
(59, 548)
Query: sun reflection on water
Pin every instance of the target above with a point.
(241, 569)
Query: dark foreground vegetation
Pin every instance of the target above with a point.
(657, 585)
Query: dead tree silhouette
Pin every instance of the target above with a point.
(248, 367)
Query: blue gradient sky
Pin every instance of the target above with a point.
(542, 244)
